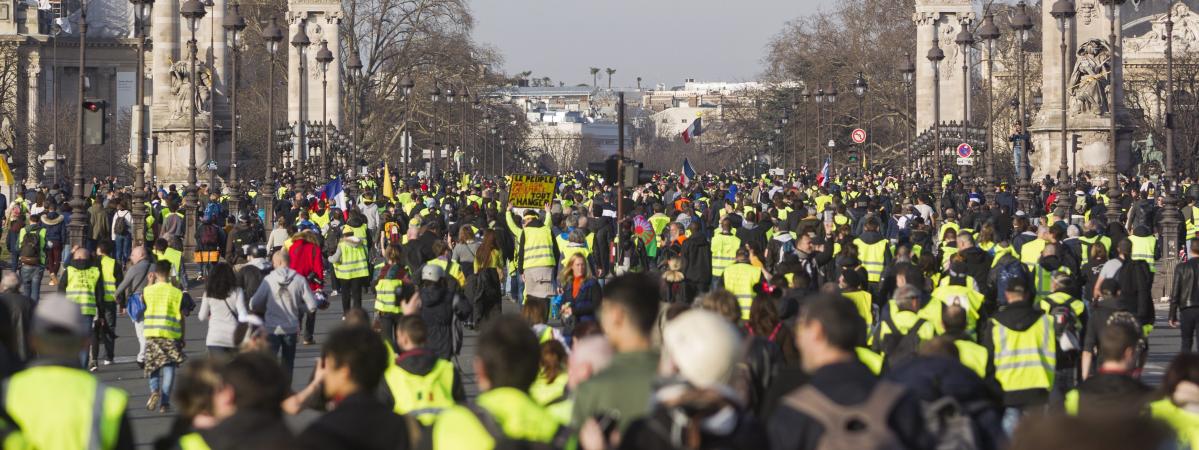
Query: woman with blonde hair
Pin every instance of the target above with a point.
(581, 292)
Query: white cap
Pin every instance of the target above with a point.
(432, 272)
(704, 346)
(56, 312)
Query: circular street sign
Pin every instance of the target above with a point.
(858, 135)
(965, 150)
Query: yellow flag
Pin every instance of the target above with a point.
(8, 179)
(387, 183)
(464, 182)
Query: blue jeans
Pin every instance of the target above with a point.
(164, 377)
(284, 345)
(31, 281)
(122, 245)
(1011, 418)
(516, 288)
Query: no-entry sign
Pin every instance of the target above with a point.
(858, 135)
(965, 150)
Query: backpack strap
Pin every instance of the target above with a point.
(488, 421)
(915, 328)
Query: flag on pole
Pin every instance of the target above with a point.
(694, 130)
(688, 173)
(387, 190)
(334, 194)
(7, 173)
(822, 177)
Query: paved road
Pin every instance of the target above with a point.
(149, 426)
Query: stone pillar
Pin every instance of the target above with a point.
(33, 106)
(942, 19)
(165, 33)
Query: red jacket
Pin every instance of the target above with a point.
(306, 259)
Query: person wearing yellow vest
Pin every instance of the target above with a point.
(163, 252)
(247, 406)
(903, 324)
(956, 288)
(390, 292)
(1023, 346)
(1043, 272)
(1069, 314)
(1030, 251)
(1115, 388)
(1144, 246)
(55, 404)
(740, 279)
(163, 329)
(111, 275)
(83, 284)
(350, 267)
(354, 360)
(32, 266)
(875, 253)
(421, 384)
(725, 244)
(506, 365)
(446, 263)
(970, 353)
(851, 288)
(536, 256)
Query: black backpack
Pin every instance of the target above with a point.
(120, 226)
(30, 253)
(898, 348)
(503, 442)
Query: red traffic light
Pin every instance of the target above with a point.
(93, 105)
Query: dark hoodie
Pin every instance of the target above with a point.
(1018, 316)
(978, 263)
(437, 310)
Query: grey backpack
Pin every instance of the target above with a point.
(851, 427)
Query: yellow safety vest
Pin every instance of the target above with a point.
(163, 317)
(1025, 359)
(1056, 299)
(543, 392)
(862, 301)
(108, 268)
(571, 249)
(172, 256)
(946, 253)
(873, 256)
(351, 263)
(385, 295)
(1043, 280)
(1030, 252)
(422, 396)
(1184, 423)
(1087, 242)
(973, 356)
(193, 441)
(1143, 248)
(947, 295)
(947, 226)
(517, 414)
(724, 252)
(870, 359)
(451, 268)
(904, 321)
(60, 407)
(538, 248)
(1001, 250)
(740, 279)
(81, 288)
(1193, 223)
(358, 232)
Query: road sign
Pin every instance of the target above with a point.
(777, 172)
(858, 135)
(965, 162)
(965, 150)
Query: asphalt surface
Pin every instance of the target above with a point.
(148, 426)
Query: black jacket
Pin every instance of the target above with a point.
(933, 378)
(359, 422)
(437, 310)
(697, 261)
(978, 263)
(849, 383)
(1136, 285)
(1184, 294)
(251, 430)
(1018, 316)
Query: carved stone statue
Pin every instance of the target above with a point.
(181, 88)
(1091, 79)
(1150, 158)
(1186, 32)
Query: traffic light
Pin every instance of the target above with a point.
(94, 118)
(606, 168)
(853, 156)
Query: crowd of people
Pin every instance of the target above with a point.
(723, 311)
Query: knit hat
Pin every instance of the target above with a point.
(703, 346)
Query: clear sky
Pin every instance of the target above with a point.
(662, 41)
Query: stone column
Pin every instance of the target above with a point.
(165, 32)
(33, 106)
(942, 19)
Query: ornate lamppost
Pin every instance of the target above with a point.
(233, 24)
(323, 57)
(141, 17)
(830, 97)
(1021, 23)
(78, 221)
(908, 69)
(1113, 182)
(193, 12)
(354, 64)
(935, 56)
(435, 98)
(989, 33)
(300, 42)
(859, 88)
(272, 35)
(406, 86)
(1063, 11)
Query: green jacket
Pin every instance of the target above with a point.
(624, 387)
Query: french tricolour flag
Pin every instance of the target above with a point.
(688, 172)
(694, 130)
(333, 192)
(822, 177)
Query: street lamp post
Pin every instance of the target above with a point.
(323, 57)
(301, 42)
(448, 119)
(406, 85)
(1021, 23)
(965, 42)
(355, 66)
(273, 35)
(989, 32)
(234, 24)
(859, 88)
(935, 56)
(78, 221)
(908, 69)
(1063, 11)
(830, 97)
(434, 98)
(1170, 214)
(1113, 181)
(141, 15)
(192, 11)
